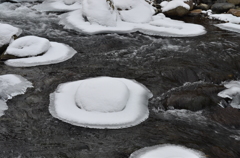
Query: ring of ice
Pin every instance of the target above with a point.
(7, 33)
(59, 5)
(11, 85)
(29, 46)
(167, 151)
(232, 92)
(115, 16)
(102, 102)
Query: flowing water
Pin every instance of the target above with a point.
(176, 70)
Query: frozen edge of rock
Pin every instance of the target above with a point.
(12, 90)
(46, 58)
(74, 20)
(141, 116)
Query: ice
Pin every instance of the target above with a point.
(11, 85)
(74, 20)
(232, 92)
(141, 12)
(3, 107)
(63, 103)
(100, 12)
(59, 5)
(226, 17)
(167, 151)
(26, 0)
(28, 46)
(166, 6)
(7, 33)
(57, 53)
(229, 27)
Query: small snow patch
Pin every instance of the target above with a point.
(167, 151)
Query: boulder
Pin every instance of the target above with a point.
(179, 11)
(235, 2)
(222, 7)
(235, 12)
(203, 6)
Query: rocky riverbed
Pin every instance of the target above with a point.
(182, 73)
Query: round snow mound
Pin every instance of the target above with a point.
(38, 51)
(103, 95)
(167, 151)
(102, 102)
(7, 32)
(28, 46)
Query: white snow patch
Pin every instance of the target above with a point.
(229, 27)
(59, 5)
(7, 33)
(63, 103)
(167, 151)
(225, 17)
(166, 6)
(11, 85)
(93, 95)
(141, 12)
(232, 92)
(28, 46)
(57, 53)
(74, 20)
(100, 12)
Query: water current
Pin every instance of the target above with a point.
(174, 69)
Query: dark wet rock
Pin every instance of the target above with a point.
(179, 11)
(222, 7)
(194, 97)
(235, 2)
(235, 12)
(202, 6)
(228, 116)
(3, 49)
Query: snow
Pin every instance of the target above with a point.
(100, 12)
(225, 17)
(141, 12)
(232, 92)
(28, 46)
(7, 32)
(229, 27)
(11, 85)
(59, 5)
(57, 53)
(167, 151)
(63, 103)
(166, 6)
(93, 95)
(74, 20)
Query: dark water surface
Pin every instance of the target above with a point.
(176, 70)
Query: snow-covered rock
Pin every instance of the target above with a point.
(47, 52)
(7, 33)
(75, 20)
(167, 151)
(59, 5)
(28, 46)
(11, 85)
(232, 92)
(101, 102)
(100, 12)
(138, 11)
(175, 7)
